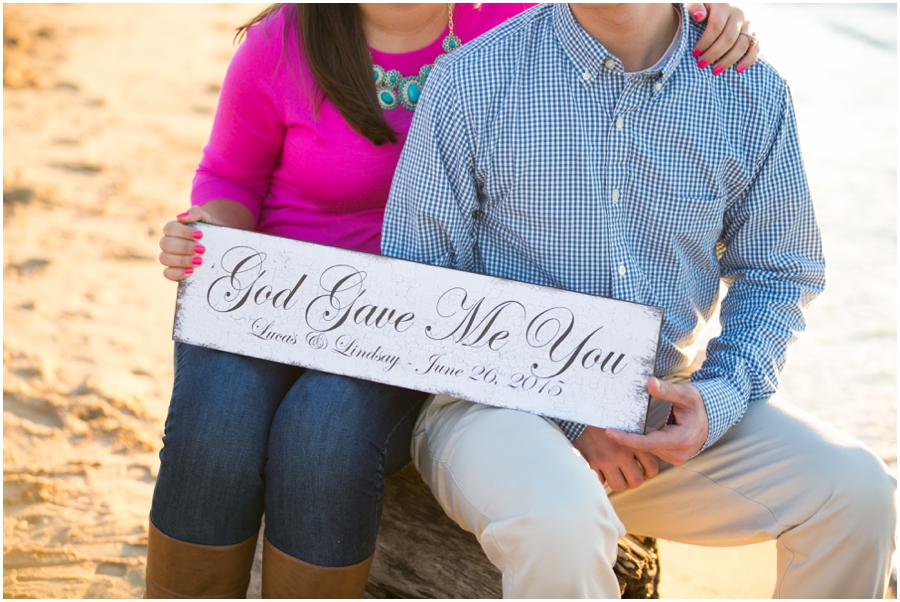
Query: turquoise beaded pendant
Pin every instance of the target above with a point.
(410, 91)
(451, 43)
(387, 99)
(392, 78)
(392, 89)
(378, 72)
(384, 88)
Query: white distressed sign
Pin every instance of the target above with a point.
(490, 340)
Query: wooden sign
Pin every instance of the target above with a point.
(489, 340)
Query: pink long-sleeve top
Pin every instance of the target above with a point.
(303, 174)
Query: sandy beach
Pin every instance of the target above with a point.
(106, 109)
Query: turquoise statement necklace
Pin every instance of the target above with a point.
(392, 89)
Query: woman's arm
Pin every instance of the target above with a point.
(244, 148)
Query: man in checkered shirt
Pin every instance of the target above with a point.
(581, 147)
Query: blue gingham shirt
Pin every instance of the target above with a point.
(532, 157)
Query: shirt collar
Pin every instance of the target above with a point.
(591, 58)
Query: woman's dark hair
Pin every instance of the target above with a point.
(335, 47)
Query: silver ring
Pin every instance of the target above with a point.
(754, 41)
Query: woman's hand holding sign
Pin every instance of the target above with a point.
(180, 244)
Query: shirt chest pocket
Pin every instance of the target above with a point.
(691, 215)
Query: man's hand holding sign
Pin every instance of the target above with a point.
(684, 436)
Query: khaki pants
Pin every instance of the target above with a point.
(545, 520)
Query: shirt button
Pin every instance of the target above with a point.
(619, 123)
(585, 76)
(615, 196)
(621, 270)
(609, 64)
(658, 86)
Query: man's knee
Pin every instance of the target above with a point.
(865, 493)
(824, 471)
(573, 526)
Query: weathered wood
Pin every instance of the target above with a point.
(637, 567)
(421, 553)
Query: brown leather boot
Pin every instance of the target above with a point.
(176, 569)
(284, 576)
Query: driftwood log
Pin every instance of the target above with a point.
(421, 553)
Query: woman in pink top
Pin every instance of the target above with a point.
(303, 147)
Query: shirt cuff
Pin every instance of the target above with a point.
(725, 406)
(572, 430)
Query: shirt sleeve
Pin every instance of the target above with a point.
(772, 259)
(429, 213)
(248, 131)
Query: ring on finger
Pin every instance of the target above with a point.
(754, 41)
(640, 465)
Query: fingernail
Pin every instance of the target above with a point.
(718, 69)
(698, 15)
(741, 68)
(185, 214)
(188, 271)
(697, 53)
(196, 261)
(702, 63)
(198, 234)
(200, 249)
(656, 382)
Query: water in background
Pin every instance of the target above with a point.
(841, 63)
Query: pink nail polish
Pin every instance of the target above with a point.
(697, 53)
(196, 261)
(185, 214)
(199, 249)
(698, 15)
(188, 271)
(702, 63)
(198, 234)
(718, 69)
(741, 68)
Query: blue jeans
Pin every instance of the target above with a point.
(245, 436)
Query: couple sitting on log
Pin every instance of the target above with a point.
(605, 149)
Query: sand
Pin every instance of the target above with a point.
(106, 109)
